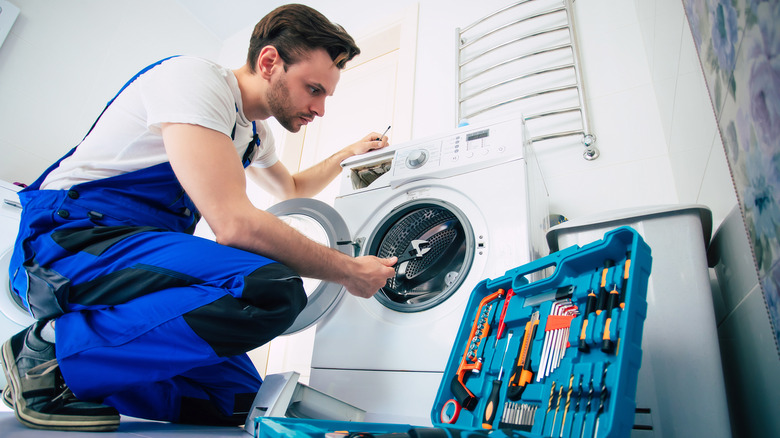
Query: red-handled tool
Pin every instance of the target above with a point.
(501, 323)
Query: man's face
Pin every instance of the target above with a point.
(297, 96)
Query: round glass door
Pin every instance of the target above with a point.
(321, 223)
(434, 244)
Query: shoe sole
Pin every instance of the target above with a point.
(37, 420)
(8, 396)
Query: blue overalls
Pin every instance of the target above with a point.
(149, 319)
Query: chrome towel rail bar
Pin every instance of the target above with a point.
(524, 58)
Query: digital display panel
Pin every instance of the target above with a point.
(477, 135)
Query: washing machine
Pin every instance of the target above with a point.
(13, 315)
(455, 209)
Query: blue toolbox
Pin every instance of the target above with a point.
(557, 356)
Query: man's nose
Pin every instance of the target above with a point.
(318, 108)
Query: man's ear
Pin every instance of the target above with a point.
(267, 60)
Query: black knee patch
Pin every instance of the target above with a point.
(275, 282)
(206, 413)
(273, 297)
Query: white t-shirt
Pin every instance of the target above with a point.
(180, 90)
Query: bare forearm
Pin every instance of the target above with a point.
(269, 236)
(313, 180)
(263, 233)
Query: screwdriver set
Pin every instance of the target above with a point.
(556, 357)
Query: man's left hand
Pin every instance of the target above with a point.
(368, 143)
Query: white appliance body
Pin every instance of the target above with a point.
(390, 361)
(13, 317)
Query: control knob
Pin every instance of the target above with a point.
(416, 158)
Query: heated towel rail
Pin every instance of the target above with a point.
(524, 58)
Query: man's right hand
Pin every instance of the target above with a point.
(368, 274)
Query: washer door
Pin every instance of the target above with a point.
(13, 315)
(321, 223)
(434, 244)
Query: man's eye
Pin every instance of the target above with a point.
(314, 90)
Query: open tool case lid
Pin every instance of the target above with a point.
(555, 357)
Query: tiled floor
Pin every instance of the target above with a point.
(129, 427)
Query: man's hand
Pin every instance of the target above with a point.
(368, 274)
(278, 181)
(368, 143)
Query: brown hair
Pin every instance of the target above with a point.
(294, 30)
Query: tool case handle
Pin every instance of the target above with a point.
(519, 278)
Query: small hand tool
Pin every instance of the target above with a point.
(602, 398)
(577, 404)
(612, 302)
(501, 324)
(557, 408)
(546, 347)
(560, 323)
(383, 134)
(590, 307)
(616, 299)
(566, 409)
(603, 286)
(471, 360)
(549, 402)
(555, 337)
(623, 287)
(587, 407)
(518, 416)
(495, 392)
(521, 372)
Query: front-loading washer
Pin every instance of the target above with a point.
(455, 209)
(13, 315)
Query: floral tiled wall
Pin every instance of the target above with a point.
(738, 42)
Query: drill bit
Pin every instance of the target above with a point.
(602, 398)
(568, 400)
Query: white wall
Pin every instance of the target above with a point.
(696, 153)
(63, 60)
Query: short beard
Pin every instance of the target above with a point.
(278, 102)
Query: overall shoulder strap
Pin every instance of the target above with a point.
(250, 148)
(127, 84)
(37, 184)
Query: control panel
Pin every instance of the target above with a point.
(467, 149)
(460, 151)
